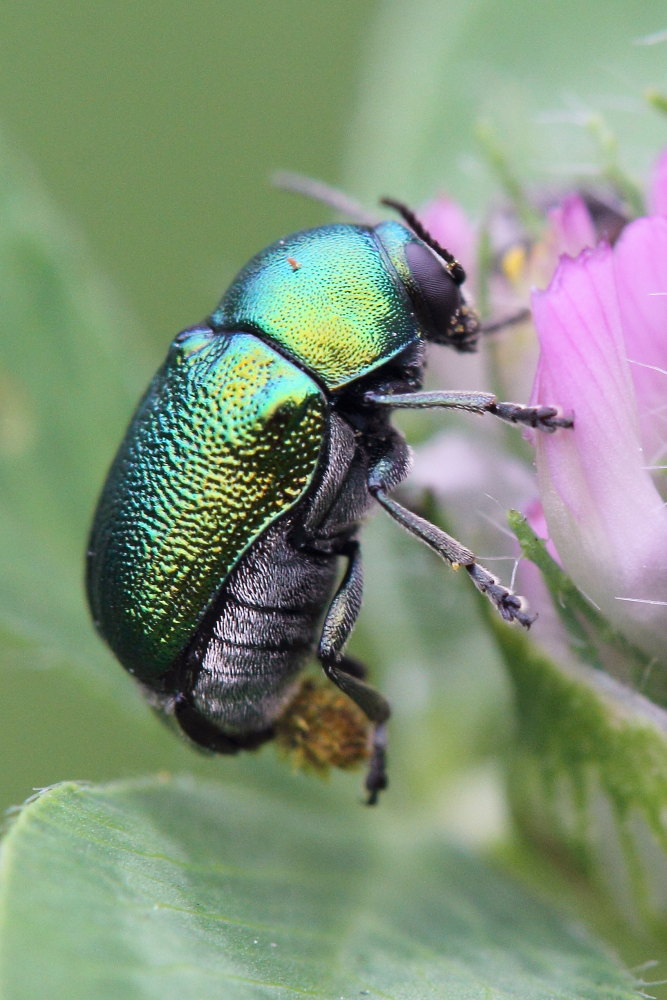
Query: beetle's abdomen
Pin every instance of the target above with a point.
(237, 673)
(226, 440)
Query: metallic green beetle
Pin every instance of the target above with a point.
(249, 464)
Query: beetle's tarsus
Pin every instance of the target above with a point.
(542, 418)
(510, 606)
(376, 779)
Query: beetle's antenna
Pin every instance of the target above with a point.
(520, 316)
(324, 193)
(456, 269)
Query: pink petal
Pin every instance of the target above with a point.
(605, 516)
(640, 260)
(572, 228)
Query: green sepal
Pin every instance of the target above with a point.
(588, 774)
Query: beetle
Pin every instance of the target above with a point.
(259, 447)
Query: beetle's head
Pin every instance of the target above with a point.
(433, 278)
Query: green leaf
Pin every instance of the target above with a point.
(172, 887)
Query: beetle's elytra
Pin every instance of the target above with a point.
(260, 445)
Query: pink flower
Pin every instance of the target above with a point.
(602, 325)
(571, 226)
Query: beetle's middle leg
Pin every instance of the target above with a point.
(346, 673)
(389, 469)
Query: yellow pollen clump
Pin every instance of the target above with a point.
(514, 263)
(322, 728)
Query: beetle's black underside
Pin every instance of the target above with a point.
(238, 671)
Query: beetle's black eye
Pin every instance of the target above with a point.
(439, 294)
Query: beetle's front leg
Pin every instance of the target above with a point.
(388, 470)
(542, 418)
(346, 673)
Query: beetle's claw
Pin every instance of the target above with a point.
(550, 418)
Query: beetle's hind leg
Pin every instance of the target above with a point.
(348, 674)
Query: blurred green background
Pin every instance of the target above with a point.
(154, 129)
